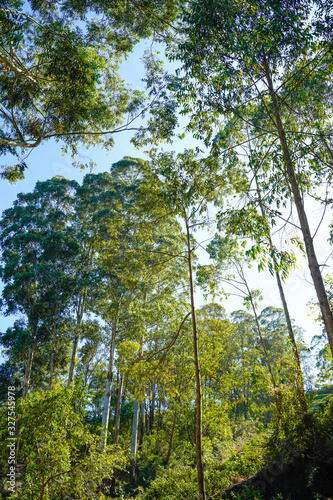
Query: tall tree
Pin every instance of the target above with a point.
(255, 54)
(135, 236)
(38, 258)
(189, 184)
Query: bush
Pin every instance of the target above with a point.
(61, 456)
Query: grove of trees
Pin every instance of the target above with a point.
(117, 380)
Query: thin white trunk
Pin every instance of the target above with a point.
(79, 315)
(118, 409)
(134, 439)
(142, 424)
(107, 397)
(54, 331)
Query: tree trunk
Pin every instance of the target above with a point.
(51, 372)
(198, 430)
(118, 409)
(300, 379)
(142, 424)
(134, 440)
(27, 373)
(159, 415)
(53, 348)
(308, 241)
(116, 430)
(79, 315)
(152, 409)
(108, 387)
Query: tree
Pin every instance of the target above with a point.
(134, 236)
(253, 222)
(38, 258)
(257, 57)
(189, 183)
(61, 81)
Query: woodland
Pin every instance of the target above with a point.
(117, 380)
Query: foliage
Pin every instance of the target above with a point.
(60, 454)
(309, 434)
(59, 71)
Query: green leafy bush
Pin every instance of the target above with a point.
(61, 456)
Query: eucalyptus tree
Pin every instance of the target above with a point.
(134, 235)
(59, 73)
(152, 244)
(37, 261)
(99, 212)
(251, 394)
(230, 262)
(277, 338)
(254, 222)
(189, 184)
(251, 299)
(241, 57)
(95, 202)
(218, 352)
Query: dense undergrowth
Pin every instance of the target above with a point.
(268, 457)
(289, 459)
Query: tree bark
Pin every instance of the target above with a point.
(152, 408)
(79, 315)
(108, 387)
(51, 372)
(198, 389)
(27, 373)
(53, 348)
(159, 415)
(308, 241)
(118, 409)
(134, 440)
(142, 424)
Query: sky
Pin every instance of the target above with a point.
(47, 161)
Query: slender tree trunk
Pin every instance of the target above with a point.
(152, 409)
(118, 409)
(73, 358)
(108, 386)
(159, 415)
(171, 437)
(116, 430)
(308, 240)
(51, 372)
(27, 373)
(198, 431)
(79, 315)
(300, 379)
(142, 424)
(53, 348)
(134, 439)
